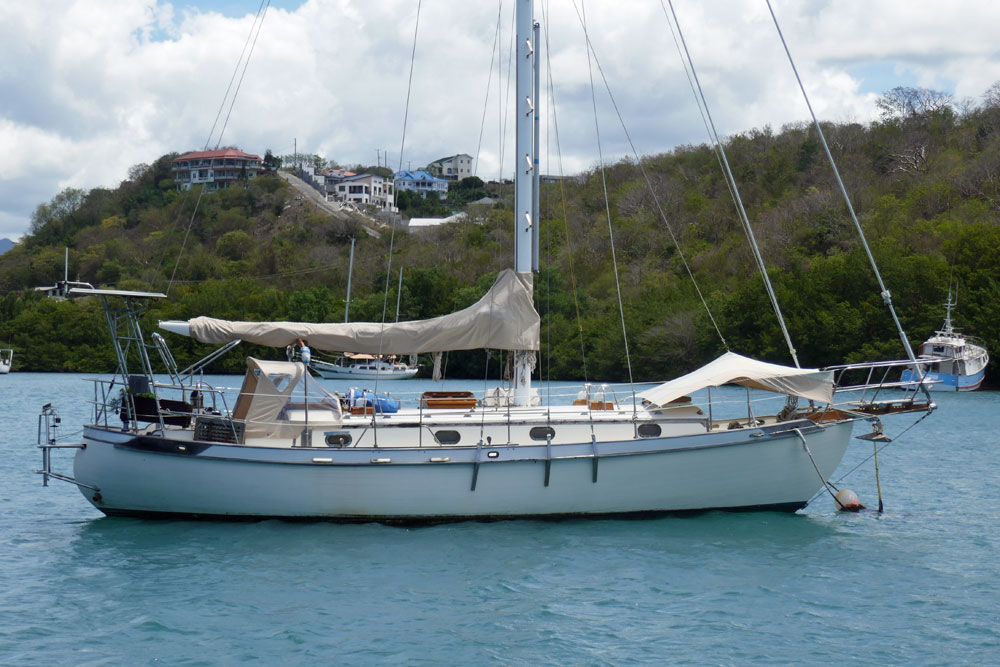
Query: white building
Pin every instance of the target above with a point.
(362, 189)
(422, 182)
(453, 168)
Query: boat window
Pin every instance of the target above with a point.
(447, 437)
(279, 380)
(649, 430)
(542, 433)
(338, 439)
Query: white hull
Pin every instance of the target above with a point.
(348, 373)
(6, 360)
(745, 469)
(385, 371)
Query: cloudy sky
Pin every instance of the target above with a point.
(89, 88)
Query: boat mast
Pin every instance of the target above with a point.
(350, 271)
(947, 312)
(525, 218)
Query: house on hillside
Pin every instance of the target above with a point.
(360, 189)
(453, 168)
(422, 182)
(332, 178)
(216, 169)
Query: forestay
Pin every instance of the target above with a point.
(505, 318)
(808, 383)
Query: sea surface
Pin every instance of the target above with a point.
(918, 584)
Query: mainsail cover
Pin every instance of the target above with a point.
(503, 319)
(808, 383)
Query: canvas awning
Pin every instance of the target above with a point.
(505, 318)
(266, 389)
(807, 383)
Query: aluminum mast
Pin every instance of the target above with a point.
(524, 176)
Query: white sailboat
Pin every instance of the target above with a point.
(351, 366)
(355, 366)
(288, 448)
(6, 360)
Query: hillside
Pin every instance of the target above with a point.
(924, 184)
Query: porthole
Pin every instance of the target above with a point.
(542, 433)
(649, 430)
(338, 439)
(447, 437)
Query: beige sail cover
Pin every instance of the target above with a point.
(806, 383)
(503, 319)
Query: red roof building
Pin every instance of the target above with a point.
(215, 169)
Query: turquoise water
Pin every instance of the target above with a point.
(916, 585)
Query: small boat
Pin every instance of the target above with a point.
(363, 367)
(949, 360)
(6, 360)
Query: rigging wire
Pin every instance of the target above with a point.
(270, 276)
(652, 193)
(708, 132)
(886, 296)
(239, 84)
(562, 187)
(208, 141)
(734, 191)
(258, 22)
(502, 109)
(489, 82)
(875, 453)
(409, 87)
(607, 202)
(392, 234)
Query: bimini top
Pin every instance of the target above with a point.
(504, 319)
(807, 383)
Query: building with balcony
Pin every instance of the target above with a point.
(422, 182)
(216, 169)
(361, 189)
(453, 168)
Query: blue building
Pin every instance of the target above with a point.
(420, 181)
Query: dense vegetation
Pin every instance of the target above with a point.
(924, 181)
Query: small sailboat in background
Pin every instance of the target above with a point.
(363, 367)
(354, 366)
(6, 360)
(950, 360)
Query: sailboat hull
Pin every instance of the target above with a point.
(331, 372)
(158, 477)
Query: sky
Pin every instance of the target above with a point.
(90, 88)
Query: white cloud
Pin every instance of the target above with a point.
(91, 87)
